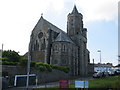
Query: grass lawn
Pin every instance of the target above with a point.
(106, 82)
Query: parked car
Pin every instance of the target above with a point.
(106, 73)
(98, 74)
(117, 71)
(111, 72)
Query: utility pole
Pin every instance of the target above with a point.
(118, 59)
(28, 67)
(100, 58)
(2, 52)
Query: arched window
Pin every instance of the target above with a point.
(63, 61)
(64, 48)
(55, 61)
(36, 46)
(56, 48)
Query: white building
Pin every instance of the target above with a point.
(102, 67)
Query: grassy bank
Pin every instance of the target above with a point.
(107, 82)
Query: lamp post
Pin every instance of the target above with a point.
(118, 59)
(100, 58)
(1, 53)
(28, 66)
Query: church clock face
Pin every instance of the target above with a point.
(40, 35)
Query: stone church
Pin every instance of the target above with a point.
(49, 44)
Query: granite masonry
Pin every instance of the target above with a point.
(49, 44)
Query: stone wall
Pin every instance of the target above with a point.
(90, 69)
(42, 76)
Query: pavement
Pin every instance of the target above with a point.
(48, 85)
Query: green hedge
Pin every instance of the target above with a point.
(44, 66)
(38, 65)
(41, 68)
(8, 63)
(62, 68)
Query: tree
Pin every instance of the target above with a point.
(11, 56)
(23, 61)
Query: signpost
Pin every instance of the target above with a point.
(64, 84)
(81, 84)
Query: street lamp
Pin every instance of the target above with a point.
(100, 58)
(118, 59)
(28, 67)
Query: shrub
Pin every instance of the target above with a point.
(9, 63)
(23, 62)
(32, 64)
(11, 56)
(62, 68)
(41, 68)
(49, 68)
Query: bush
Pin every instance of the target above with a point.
(32, 64)
(41, 68)
(11, 56)
(23, 62)
(62, 68)
(46, 66)
(9, 63)
(49, 68)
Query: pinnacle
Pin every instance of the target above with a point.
(75, 10)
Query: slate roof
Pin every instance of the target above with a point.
(51, 26)
(63, 37)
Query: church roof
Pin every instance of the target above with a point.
(63, 37)
(74, 10)
(42, 22)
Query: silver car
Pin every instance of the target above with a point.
(98, 75)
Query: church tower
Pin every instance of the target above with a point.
(74, 22)
(78, 34)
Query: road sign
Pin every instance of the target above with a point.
(64, 84)
(81, 84)
(86, 84)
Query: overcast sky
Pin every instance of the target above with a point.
(100, 17)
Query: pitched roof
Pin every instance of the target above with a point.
(40, 24)
(63, 37)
